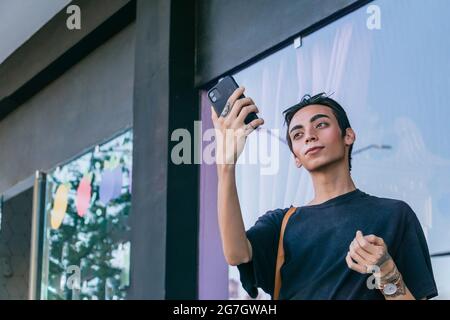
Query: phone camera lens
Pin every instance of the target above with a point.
(214, 95)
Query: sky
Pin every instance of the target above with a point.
(20, 19)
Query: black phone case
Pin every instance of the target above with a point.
(222, 91)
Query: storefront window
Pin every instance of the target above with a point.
(393, 82)
(86, 249)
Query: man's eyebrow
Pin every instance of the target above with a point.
(313, 118)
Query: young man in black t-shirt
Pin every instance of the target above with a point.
(333, 244)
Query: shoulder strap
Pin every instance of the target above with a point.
(280, 254)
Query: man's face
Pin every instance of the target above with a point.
(317, 126)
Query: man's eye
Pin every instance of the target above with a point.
(321, 124)
(297, 135)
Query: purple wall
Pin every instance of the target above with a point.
(213, 269)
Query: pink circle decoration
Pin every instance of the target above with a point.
(83, 198)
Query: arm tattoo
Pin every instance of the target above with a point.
(390, 276)
(383, 259)
(394, 276)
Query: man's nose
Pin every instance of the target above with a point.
(310, 137)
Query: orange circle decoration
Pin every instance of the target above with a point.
(59, 206)
(83, 198)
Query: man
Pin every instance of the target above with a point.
(335, 243)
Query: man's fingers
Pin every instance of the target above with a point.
(374, 240)
(356, 257)
(236, 94)
(232, 99)
(245, 111)
(364, 244)
(257, 122)
(355, 247)
(250, 127)
(238, 107)
(354, 266)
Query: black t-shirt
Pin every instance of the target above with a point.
(317, 239)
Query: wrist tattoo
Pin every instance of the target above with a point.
(386, 257)
(390, 273)
(394, 276)
(391, 277)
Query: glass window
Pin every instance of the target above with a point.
(393, 82)
(86, 249)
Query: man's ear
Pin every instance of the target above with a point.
(350, 137)
(297, 162)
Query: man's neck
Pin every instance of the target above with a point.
(330, 183)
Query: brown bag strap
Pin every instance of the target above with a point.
(280, 254)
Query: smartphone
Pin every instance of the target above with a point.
(219, 94)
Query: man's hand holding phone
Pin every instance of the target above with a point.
(230, 128)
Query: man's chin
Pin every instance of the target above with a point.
(319, 165)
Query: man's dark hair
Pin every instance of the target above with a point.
(323, 100)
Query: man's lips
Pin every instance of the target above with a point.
(314, 149)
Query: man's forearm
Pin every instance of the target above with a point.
(390, 274)
(232, 229)
(402, 293)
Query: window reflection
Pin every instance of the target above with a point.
(393, 83)
(86, 249)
